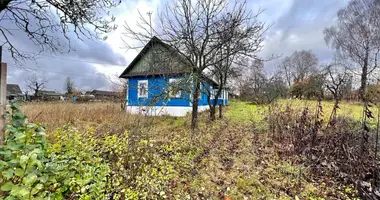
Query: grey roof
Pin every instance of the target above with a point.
(102, 93)
(13, 89)
(48, 93)
(163, 67)
(168, 54)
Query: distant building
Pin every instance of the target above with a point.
(101, 94)
(14, 92)
(49, 95)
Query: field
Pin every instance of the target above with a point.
(54, 115)
(243, 156)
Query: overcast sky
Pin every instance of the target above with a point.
(296, 25)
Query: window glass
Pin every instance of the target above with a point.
(174, 88)
(143, 89)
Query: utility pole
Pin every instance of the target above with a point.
(3, 94)
(150, 23)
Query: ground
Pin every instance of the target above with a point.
(233, 158)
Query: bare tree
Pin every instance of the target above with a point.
(356, 37)
(36, 84)
(286, 69)
(192, 28)
(120, 86)
(69, 86)
(240, 36)
(44, 20)
(337, 78)
(298, 67)
(260, 88)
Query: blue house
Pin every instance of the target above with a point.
(160, 83)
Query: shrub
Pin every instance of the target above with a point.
(34, 169)
(144, 168)
(87, 165)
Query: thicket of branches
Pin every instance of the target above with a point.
(46, 22)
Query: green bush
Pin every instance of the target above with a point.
(75, 165)
(31, 168)
(144, 168)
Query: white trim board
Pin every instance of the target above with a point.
(177, 111)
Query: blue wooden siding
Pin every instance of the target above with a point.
(221, 99)
(157, 93)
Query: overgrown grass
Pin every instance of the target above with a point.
(103, 115)
(246, 112)
(234, 157)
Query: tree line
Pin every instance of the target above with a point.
(355, 38)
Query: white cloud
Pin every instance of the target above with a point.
(127, 12)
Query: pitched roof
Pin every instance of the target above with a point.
(13, 89)
(164, 68)
(48, 93)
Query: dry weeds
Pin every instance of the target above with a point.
(55, 115)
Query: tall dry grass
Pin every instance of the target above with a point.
(102, 117)
(98, 115)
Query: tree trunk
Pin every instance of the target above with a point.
(212, 113)
(332, 119)
(194, 113)
(363, 83)
(221, 111)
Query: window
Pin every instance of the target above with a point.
(142, 89)
(212, 93)
(174, 90)
(216, 92)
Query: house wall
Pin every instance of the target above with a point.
(178, 111)
(157, 95)
(158, 101)
(222, 99)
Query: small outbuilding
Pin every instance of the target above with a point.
(14, 92)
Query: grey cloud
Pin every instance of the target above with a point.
(97, 51)
(57, 67)
(84, 75)
(299, 27)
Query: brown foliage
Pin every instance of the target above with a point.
(334, 155)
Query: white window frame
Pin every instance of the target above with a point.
(200, 92)
(216, 92)
(178, 94)
(138, 88)
(212, 93)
